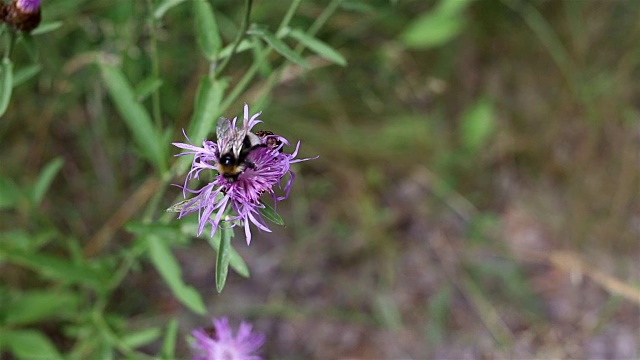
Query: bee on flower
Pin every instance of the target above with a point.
(246, 165)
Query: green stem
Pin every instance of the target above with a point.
(322, 19)
(244, 82)
(10, 44)
(243, 30)
(155, 67)
(289, 15)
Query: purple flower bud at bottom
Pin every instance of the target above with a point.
(219, 342)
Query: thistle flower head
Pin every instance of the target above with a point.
(263, 169)
(219, 343)
(22, 15)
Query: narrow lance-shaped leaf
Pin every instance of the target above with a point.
(243, 46)
(9, 193)
(36, 306)
(478, 125)
(318, 47)
(54, 267)
(270, 214)
(29, 344)
(279, 46)
(25, 73)
(222, 262)
(438, 26)
(169, 269)
(235, 260)
(146, 87)
(169, 341)
(45, 179)
(135, 116)
(46, 27)
(207, 33)
(6, 84)
(142, 337)
(165, 6)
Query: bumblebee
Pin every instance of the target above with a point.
(235, 145)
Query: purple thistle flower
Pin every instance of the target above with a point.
(241, 194)
(218, 343)
(28, 6)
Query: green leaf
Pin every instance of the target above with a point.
(165, 231)
(30, 46)
(243, 46)
(45, 179)
(29, 345)
(478, 125)
(278, 45)
(168, 267)
(270, 214)
(46, 27)
(222, 262)
(25, 74)
(143, 337)
(165, 6)
(35, 306)
(207, 108)
(436, 27)
(54, 267)
(318, 47)
(453, 8)
(146, 87)
(22, 240)
(6, 84)
(169, 342)
(235, 260)
(432, 30)
(137, 119)
(258, 52)
(207, 32)
(10, 193)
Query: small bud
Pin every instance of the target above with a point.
(23, 15)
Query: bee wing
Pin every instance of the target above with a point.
(240, 136)
(223, 129)
(225, 134)
(180, 206)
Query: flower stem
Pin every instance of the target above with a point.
(243, 30)
(289, 15)
(10, 44)
(155, 67)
